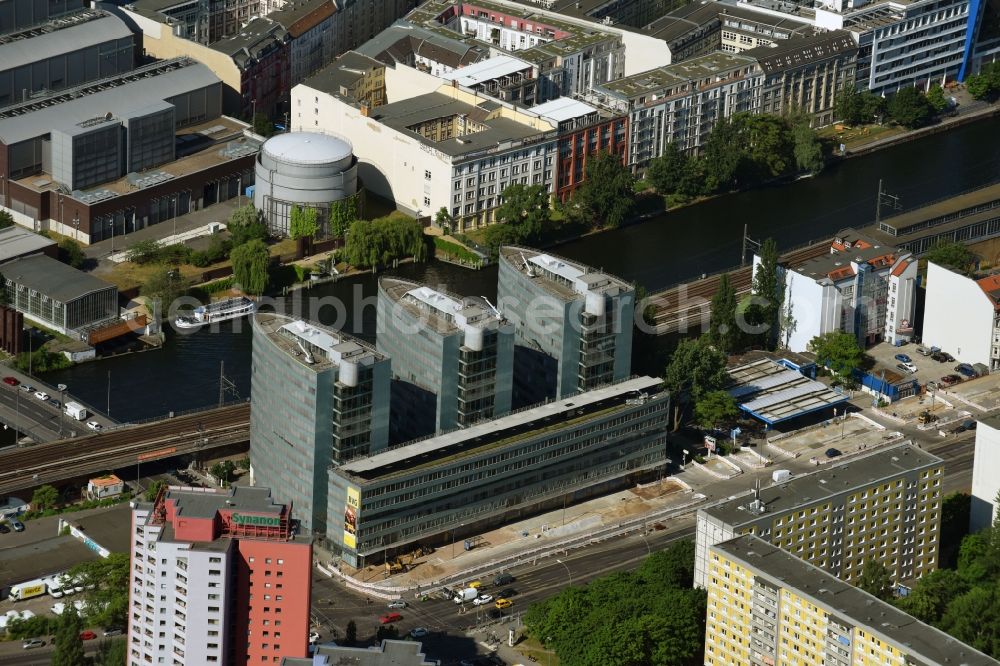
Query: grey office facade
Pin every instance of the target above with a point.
(320, 398)
(495, 471)
(573, 324)
(452, 358)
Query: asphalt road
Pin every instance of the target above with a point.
(34, 413)
(14, 655)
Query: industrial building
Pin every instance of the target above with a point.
(572, 324)
(225, 571)
(775, 391)
(321, 398)
(467, 480)
(57, 296)
(452, 358)
(766, 606)
(860, 287)
(884, 506)
(64, 52)
(985, 481)
(304, 169)
(119, 154)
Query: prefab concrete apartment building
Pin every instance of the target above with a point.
(452, 358)
(495, 471)
(321, 398)
(573, 324)
(884, 506)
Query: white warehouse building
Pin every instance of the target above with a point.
(962, 315)
(860, 288)
(305, 169)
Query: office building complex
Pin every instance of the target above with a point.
(985, 482)
(321, 398)
(766, 607)
(885, 506)
(63, 52)
(217, 577)
(861, 288)
(470, 479)
(303, 169)
(573, 325)
(452, 358)
(954, 297)
(121, 153)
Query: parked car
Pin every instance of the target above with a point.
(87, 635)
(923, 351)
(17, 525)
(903, 358)
(313, 637)
(965, 369)
(31, 643)
(95, 426)
(950, 380)
(389, 618)
(939, 357)
(11, 381)
(4, 529)
(482, 599)
(41, 395)
(948, 357)
(833, 453)
(27, 388)
(419, 632)
(113, 631)
(55, 403)
(908, 368)
(398, 603)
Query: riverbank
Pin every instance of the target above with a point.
(984, 112)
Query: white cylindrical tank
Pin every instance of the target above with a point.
(595, 304)
(474, 338)
(302, 169)
(348, 375)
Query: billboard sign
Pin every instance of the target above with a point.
(351, 510)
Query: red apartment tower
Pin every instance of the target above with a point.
(218, 577)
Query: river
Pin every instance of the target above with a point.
(184, 373)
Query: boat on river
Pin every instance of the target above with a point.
(231, 308)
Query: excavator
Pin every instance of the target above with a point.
(402, 563)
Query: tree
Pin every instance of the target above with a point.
(497, 235)
(720, 157)
(525, 209)
(910, 108)
(143, 252)
(933, 593)
(695, 368)
(250, 264)
(808, 150)
(351, 633)
(986, 84)
(715, 408)
(855, 107)
(607, 194)
(386, 632)
(223, 471)
(379, 241)
(838, 351)
(767, 145)
(154, 490)
(111, 653)
(722, 330)
(67, 643)
(246, 224)
(343, 213)
(44, 497)
(974, 619)
(303, 223)
(71, 253)
(262, 125)
(875, 580)
(443, 220)
(165, 284)
(666, 172)
(6, 219)
(769, 293)
(937, 100)
(954, 526)
(952, 255)
(243, 464)
(107, 584)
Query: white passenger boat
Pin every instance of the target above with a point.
(231, 308)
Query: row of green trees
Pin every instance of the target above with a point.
(909, 107)
(651, 615)
(742, 151)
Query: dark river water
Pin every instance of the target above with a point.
(673, 247)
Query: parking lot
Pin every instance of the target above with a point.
(982, 393)
(844, 434)
(928, 370)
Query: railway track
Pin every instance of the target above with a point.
(29, 466)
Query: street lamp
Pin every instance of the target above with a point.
(62, 405)
(174, 210)
(568, 572)
(453, 539)
(76, 225)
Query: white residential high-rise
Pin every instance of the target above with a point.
(985, 481)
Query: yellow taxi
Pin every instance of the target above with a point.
(476, 584)
(504, 603)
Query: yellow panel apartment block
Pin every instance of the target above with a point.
(767, 607)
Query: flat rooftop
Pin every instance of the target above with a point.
(402, 115)
(16, 241)
(42, 558)
(562, 109)
(775, 393)
(111, 529)
(801, 51)
(51, 277)
(830, 481)
(918, 217)
(471, 440)
(683, 20)
(444, 312)
(59, 36)
(328, 347)
(563, 278)
(205, 503)
(917, 640)
(342, 73)
(487, 70)
(682, 73)
(402, 40)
